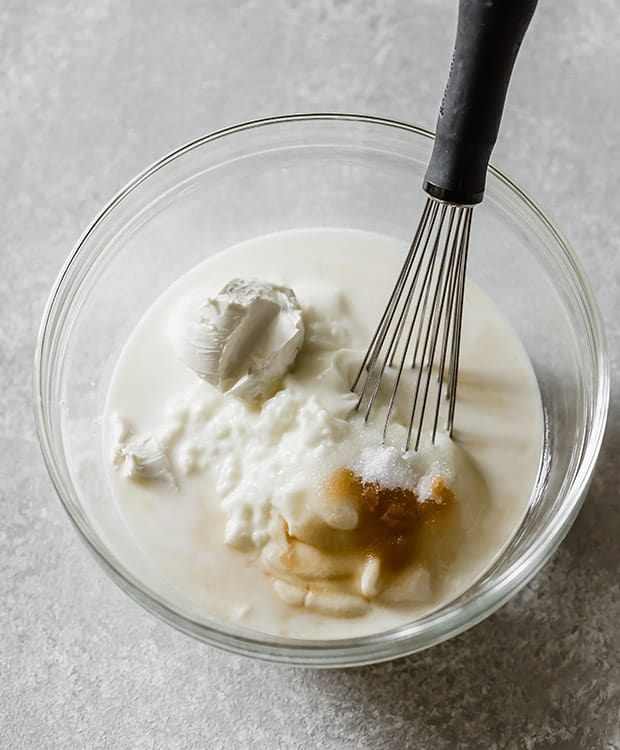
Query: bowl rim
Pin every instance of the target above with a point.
(362, 649)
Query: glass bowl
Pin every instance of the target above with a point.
(286, 173)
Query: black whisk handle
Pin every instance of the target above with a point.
(489, 34)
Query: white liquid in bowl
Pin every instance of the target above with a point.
(234, 470)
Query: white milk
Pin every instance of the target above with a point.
(206, 516)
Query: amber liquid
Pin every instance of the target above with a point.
(394, 526)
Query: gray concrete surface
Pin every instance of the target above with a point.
(93, 91)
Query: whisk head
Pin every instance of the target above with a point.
(418, 336)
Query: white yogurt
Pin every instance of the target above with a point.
(205, 479)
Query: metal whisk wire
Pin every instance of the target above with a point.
(425, 307)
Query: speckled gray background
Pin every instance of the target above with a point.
(90, 93)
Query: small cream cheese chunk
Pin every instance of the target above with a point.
(370, 577)
(332, 603)
(412, 586)
(138, 456)
(336, 604)
(244, 339)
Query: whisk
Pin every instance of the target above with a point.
(420, 328)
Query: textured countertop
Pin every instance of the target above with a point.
(90, 93)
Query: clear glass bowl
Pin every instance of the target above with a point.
(284, 173)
